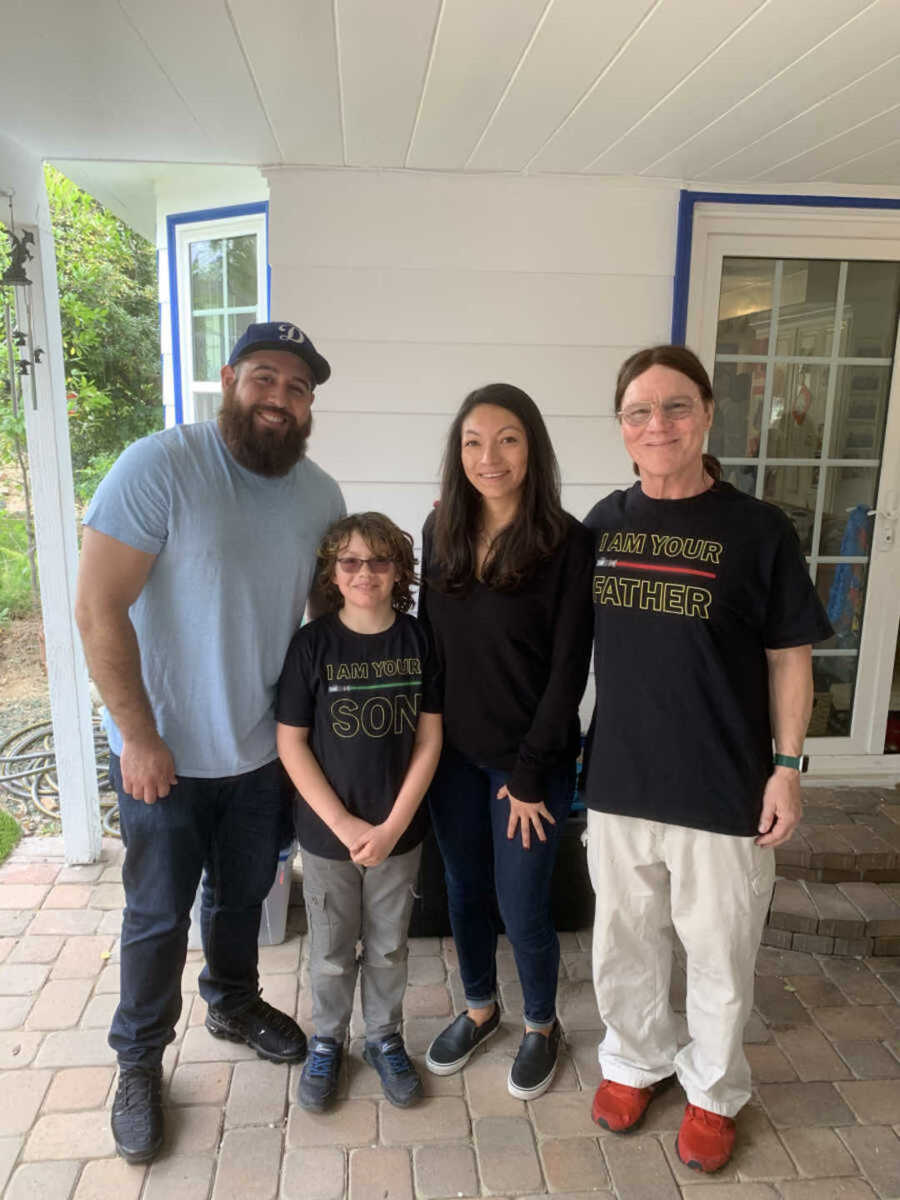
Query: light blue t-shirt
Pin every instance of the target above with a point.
(235, 560)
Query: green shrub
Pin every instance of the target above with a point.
(89, 478)
(15, 572)
(9, 834)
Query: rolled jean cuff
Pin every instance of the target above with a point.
(481, 1003)
(540, 1026)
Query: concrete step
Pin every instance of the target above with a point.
(846, 836)
(850, 918)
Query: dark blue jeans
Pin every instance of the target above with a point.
(232, 827)
(480, 862)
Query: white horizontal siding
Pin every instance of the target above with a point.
(444, 305)
(404, 376)
(410, 220)
(407, 447)
(421, 287)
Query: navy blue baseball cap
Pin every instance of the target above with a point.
(281, 335)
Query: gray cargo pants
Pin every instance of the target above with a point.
(346, 904)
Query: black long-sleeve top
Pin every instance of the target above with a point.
(515, 663)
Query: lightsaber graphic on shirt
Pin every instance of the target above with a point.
(663, 568)
(373, 687)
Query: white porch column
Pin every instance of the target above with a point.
(44, 398)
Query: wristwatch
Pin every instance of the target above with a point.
(799, 762)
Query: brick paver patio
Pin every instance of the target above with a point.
(824, 1044)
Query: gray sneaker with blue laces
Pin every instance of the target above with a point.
(399, 1078)
(318, 1085)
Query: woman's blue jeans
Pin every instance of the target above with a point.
(480, 862)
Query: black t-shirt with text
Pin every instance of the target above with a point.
(688, 596)
(360, 695)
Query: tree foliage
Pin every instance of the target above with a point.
(110, 326)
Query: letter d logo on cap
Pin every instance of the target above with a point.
(290, 333)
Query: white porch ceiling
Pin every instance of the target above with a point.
(762, 91)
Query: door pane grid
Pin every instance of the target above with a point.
(829, 409)
(767, 393)
(802, 383)
(821, 360)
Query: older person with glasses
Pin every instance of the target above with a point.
(705, 617)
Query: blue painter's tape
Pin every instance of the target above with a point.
(685, 233)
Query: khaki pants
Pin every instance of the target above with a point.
(347, 904)
(652, 881)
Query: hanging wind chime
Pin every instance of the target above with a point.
(22, 353)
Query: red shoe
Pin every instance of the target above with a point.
(620, 1108)
(705, 1140)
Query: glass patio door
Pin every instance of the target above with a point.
(804, 371)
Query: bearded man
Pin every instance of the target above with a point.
(198, 554)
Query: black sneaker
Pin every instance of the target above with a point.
(453, 1048)
(532, 1072)
(319, 1080)
(271, 1033)
(137, 1117)
(399, 1078)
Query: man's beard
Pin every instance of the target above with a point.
(264, 451)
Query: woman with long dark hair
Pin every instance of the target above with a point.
(506, 592)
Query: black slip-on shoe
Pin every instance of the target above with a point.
(137, 1116)
(535, 1064)
(318, 1085)
(399, 1079)
(452, 1049)
(271, 1033)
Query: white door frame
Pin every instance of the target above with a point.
(50, 460)
(770, 231)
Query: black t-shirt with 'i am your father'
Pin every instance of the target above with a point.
(360, 695)
(688, 596)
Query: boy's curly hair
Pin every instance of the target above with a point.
(384, 539)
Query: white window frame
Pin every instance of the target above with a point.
(194, 231)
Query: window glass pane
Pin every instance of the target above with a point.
(206, 274)
(797, 415)
(242, 271)
(209, 347)
(237, 323)
(806, 311)
(842, 589)
(739, 389)
(860, 412)
(870, 304)
(834, 682)
(745, 305)
(206, 405)
(793, 489)
(742, 476)
(849, 495)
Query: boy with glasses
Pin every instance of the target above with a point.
(359, 731)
